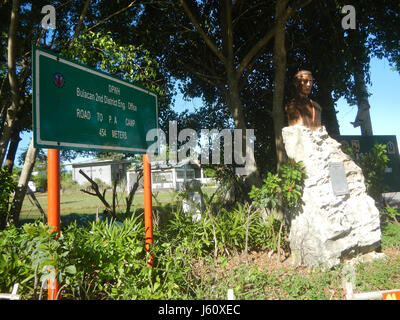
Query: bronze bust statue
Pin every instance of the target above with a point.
(301, 109)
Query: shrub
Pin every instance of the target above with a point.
(390, 213)
(67, 183)
(286, 186)
(373, 166)
(7, 187)
(15, 266)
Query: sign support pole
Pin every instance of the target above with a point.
(53, 206)
(148, 216)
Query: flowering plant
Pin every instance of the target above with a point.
(392, 213)
(286, 185)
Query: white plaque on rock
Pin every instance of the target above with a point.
(338, 178)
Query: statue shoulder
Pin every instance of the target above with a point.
(315, 104)
(290, 104)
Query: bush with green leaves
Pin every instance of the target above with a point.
(111, 263)
(228, 181)
(373, 166)
(285, 188)
(67, 183)
(390, 213)
(228, 231)
(7, 188)
(15, 266)
(107, 260)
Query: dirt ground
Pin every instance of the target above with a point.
(267, 261)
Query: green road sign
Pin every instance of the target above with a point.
(77, 107)
(363, 144)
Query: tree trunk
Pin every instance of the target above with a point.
(22, 183)
(279, 82)
(236, 109)
(328, 114)
(12, 150)
(363, 118)
(132, 192)
(12, 78)
(249, 168)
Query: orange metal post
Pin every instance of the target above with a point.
(148, 216)
(53, 205)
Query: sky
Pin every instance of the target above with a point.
(384, 102)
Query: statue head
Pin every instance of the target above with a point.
(303, 81)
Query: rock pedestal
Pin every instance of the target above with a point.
(329, 228)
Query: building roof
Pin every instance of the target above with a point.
(99, 163)
(154, 164)
(163, 165)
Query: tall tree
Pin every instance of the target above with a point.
(10, 114)
(215, 47)
(98, 49)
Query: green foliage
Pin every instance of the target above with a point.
(46, 251)
(107, 260)
(378, 275)
(390, 213)
(373, 166)
(288, 185)
(228, 180)
(67, 183)
(224, 232)
(266, 197)
(129, 62)
(391, 235)
(14, 264)
(7, 186)
(293, 175)
(104, 254)
(40, 180)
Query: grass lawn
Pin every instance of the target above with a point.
(76, 202)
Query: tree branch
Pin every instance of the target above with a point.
(81, 18)
(203, 35)
(132, 192)
(228, 31)
(207, 78)
(112, 15)
(296, 6)
(269, 35)
(97, 193)
(255, 50)
(88, 192)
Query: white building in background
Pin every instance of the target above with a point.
(166, 176)
(32, 186)
(107, 171)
